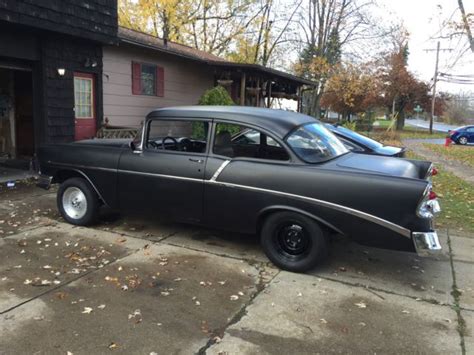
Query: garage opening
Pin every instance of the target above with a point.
(16, 115)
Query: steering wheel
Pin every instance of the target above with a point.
(186, 144)
(154, 144)
(175, 142)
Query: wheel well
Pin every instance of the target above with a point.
(265, 214)
(63, 175)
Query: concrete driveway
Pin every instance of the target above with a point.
(143, 287)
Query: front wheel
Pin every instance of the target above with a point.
(293, 241)
(463, 140)
(77, 202)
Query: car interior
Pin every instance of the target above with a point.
(247, 143)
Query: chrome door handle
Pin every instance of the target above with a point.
(199, 161)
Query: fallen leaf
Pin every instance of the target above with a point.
(405, 311)
(324, 321)
(113, 346)
(87, 310)
(234, 298)
(361, 304)
(102, 306)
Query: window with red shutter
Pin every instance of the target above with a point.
(136, 78)
(148, 79)
(160, 81)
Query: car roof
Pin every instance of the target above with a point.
(278, 122)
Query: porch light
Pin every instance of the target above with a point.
(61, 71)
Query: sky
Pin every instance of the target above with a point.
(423, 19)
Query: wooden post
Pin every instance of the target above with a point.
(242, 89)
(269, 93)
(299, 98)
(257, 96)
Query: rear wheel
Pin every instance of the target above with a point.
(77, 202)
(463, 140)
(293, 242)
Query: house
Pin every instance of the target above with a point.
(51, 70)
(145, 72)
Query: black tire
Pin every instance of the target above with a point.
(89, 210)
(293, 241)
(462, 140)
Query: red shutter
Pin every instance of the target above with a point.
(136, 78)
(160, 81)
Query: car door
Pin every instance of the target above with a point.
(470, 132)
(249, 156)
(166, 176)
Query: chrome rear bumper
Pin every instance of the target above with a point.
(426, 243)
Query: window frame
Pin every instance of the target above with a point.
(291, 156)
(137, 83)
(185, 119)
(90, 77)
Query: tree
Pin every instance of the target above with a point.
(208, 25)
(328, 25)
(467, 22)
(350, 90)
(271, 28)
(216, 96)
(400, 88)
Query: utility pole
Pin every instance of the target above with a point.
(435, 79)
(433, 99)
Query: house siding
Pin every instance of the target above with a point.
(185, 82)
(92, 19)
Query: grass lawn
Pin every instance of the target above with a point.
(380, 133)
(463, 154)
(456, 199)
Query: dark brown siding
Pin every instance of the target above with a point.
(91, 19)
(62, 52)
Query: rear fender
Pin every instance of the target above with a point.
(269, 210)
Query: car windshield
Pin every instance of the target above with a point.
(314, 143)
(368, 142)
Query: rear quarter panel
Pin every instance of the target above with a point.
(97, 163)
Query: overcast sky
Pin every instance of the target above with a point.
(423, 19)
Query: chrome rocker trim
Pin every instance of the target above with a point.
(426, 243)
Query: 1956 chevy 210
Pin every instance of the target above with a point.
(277, 174)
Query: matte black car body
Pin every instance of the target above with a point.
(371, 198)
(358, 143)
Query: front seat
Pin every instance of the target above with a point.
(223, 144)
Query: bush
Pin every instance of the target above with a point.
(216, 96)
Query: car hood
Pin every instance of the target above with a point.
(388, 150)
(381, 165)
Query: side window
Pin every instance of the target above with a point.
(148, 79)
(470, 129)
(351, 146)
(178, 135)
(235, 141)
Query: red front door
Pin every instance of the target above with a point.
(84, 106)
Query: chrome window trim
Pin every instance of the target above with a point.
(219, 170)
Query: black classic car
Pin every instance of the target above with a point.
(358, 143)
(294, 185)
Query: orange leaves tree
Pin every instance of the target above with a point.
(350, 90)
(400, 89)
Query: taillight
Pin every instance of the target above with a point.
(429, 205)
(434, 171)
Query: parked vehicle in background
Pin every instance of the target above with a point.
(358, 143)
(289, 180)
(462, 135)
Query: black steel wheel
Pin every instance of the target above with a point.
(77, 202)
(293, 241)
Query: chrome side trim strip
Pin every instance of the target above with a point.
(83, 166)
(173, 177)
(371, 218)
(219, 170)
